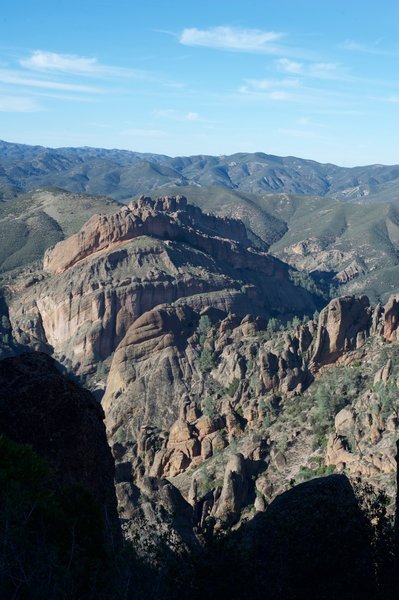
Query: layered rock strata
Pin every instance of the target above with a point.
(169, 218)
(100, 280)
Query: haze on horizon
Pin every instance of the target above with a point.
(305, 79)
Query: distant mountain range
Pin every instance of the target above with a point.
(122, 174)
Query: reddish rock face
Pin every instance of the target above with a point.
(155, 366)
(153, 252)
(166, 218)
(343, 325)
(391, 318)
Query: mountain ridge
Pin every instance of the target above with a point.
(123, 173)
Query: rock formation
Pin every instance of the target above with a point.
(391, 318)
(343, 325)
(312, 542)
(63, 423)
(213, 406)
(188, 423)
(166, 218)
(100, 280)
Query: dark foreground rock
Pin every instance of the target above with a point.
(312, 542)
(63, 423)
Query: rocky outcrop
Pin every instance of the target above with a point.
(155, 518)
(122, 265)
(63, 423)
(311, 542)
(153, 369)
(343, 325)
(166, 218)
(365, 432)
(234, 491)
(354, 269)
(325, 255)
(237, 399)
(391, 318)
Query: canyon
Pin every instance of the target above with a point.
(230, 383)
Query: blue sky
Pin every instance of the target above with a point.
(310, 79)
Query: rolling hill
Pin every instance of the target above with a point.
(36, 220)
(122, 174)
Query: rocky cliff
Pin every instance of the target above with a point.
(166, 218)
(232, 412)
(99, 281)
(221, 392)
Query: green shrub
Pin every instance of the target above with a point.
(337, 389)
(207, 360)
(388, 396)
(273, 325)
(204, 326)
(306, 473)
(233, 387)
(209, 406)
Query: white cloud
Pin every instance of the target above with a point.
(278, 95)
(321, 70)
(174, 115)
(168, 113)
(232, 38)
(264, 92)
(393, 99)
(268, 84)
(14, 78)
(370, 48)
(289, 66)
(66, 96)
(50, 61)
(273, 89)
(324, 67)
(73, 64)
(18, 104)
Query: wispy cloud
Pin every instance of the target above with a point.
(19, 79)
(272, 89)
(170, 113)
(280, 95)
(67, 63)
(369, 48)
(289, 66)
(74, 64)
(268, 84)
(18, 104)
(391, 99)
(232, 39)
(326, 70)
(321, 70)
(296, 91)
